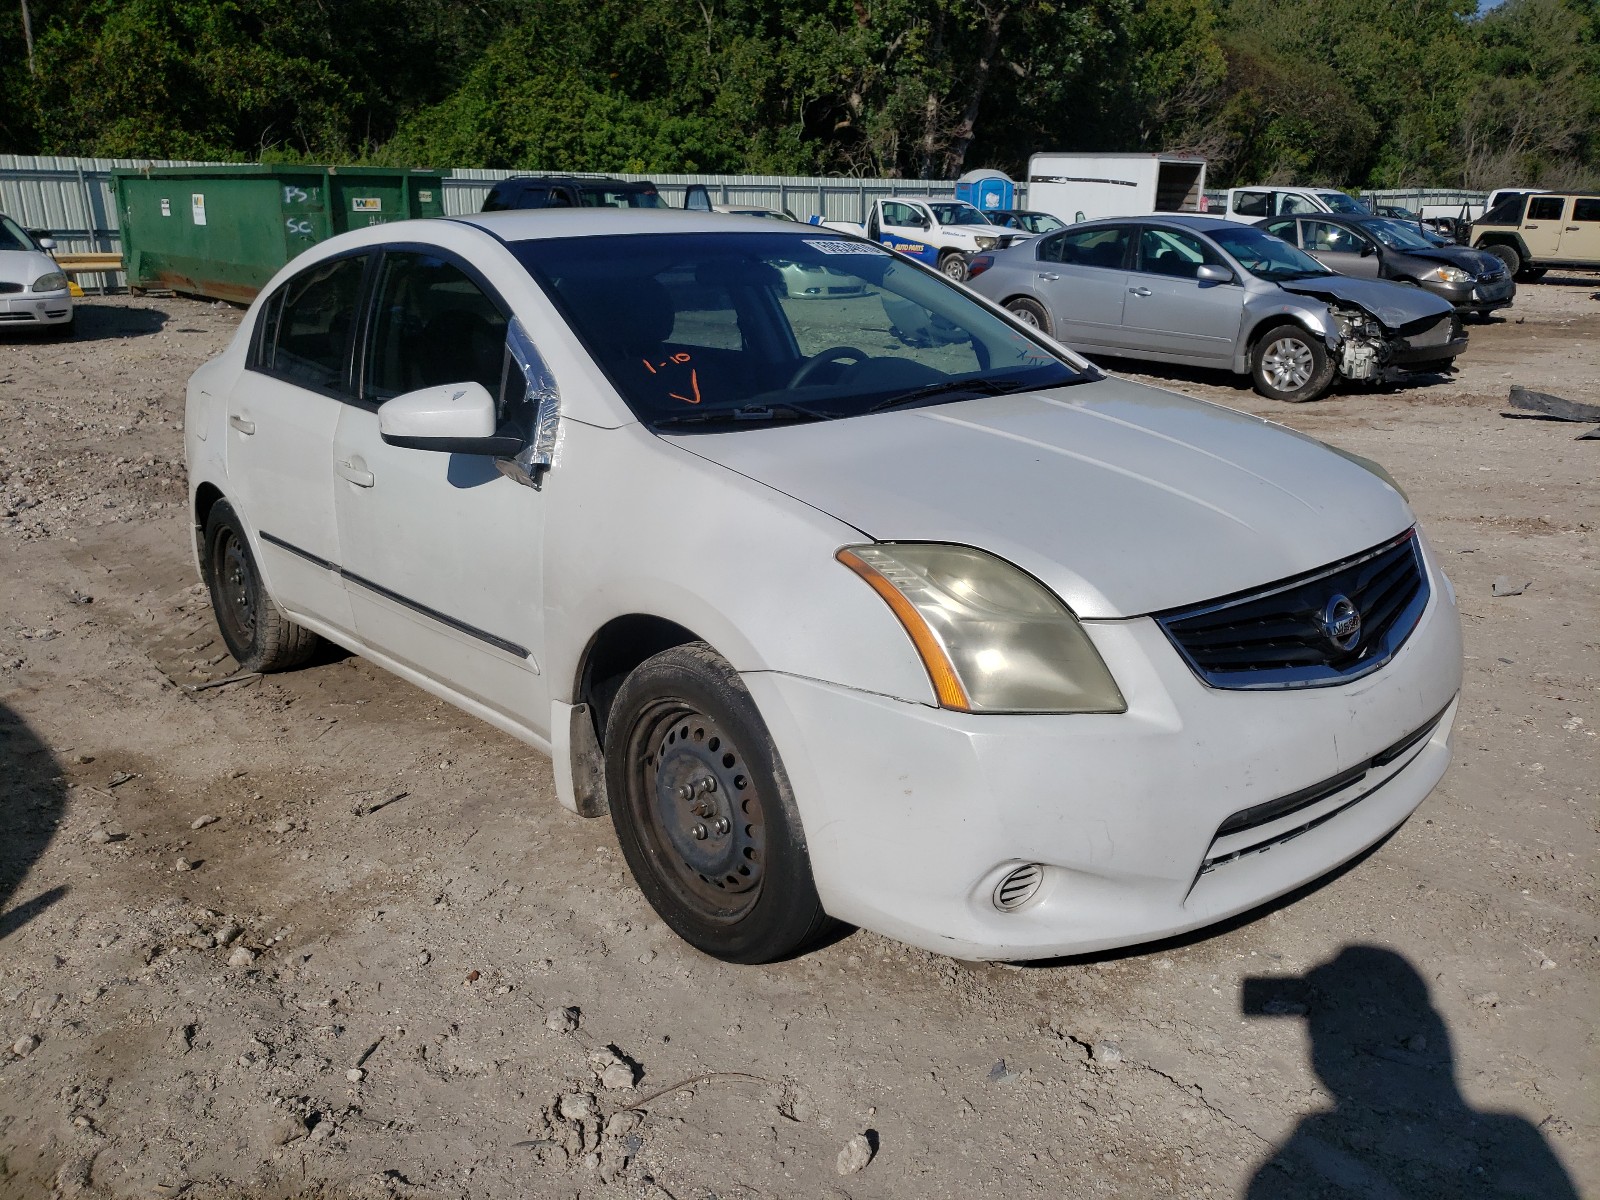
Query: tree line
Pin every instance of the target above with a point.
(1366, 93)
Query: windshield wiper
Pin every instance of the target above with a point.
(980, 386)
(746, 412)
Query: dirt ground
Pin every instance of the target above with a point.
(315, 935)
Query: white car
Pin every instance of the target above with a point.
(960, 641)
(33, 290)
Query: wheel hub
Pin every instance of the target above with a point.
(706, 806)
(1287, 364)
(236, 581)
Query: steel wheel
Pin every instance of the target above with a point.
(699, 809)
(235, 576)
(954, 267)
(1288, 364)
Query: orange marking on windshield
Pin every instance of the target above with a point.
(647, 365)
(694, 385)
(680, 357)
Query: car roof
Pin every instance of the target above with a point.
(524, 224)
(1198, 223)
(609, 181)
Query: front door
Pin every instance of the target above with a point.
(1541, 228)
(1172, 313)
(905, 228)
(1580, 235)
(442, 552)
(282, 417)
(1342, 249)
(1083, 276)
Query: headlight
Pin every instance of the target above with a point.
(986, 243)
(53, 282)
(992, 637)
(1447, 275)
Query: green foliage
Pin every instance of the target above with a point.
(1361, 92)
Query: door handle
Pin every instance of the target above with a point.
(355, 470)
(1572, 229)
(243, 426)
(1048, 275)
(1140, 291)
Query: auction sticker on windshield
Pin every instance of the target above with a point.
(843, 247)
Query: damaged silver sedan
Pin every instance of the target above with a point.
(1213, 293)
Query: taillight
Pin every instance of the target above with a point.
(979, 264)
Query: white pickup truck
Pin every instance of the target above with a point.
(936, 230)
(1251, 204)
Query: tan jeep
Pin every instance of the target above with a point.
(1533, 231)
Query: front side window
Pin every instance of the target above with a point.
(700, 332)
(901, 215)
(1332, 239)
(13, 236)
(1288, 202)
(1168, 252)
(1283, 229)
(308, 325)
(432, 325)
(1265, 256)
(1545, 208)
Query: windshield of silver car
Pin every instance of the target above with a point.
(1265, 256)
(703, 331)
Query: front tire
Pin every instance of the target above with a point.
(253, 627)
(1030, 312)
(1290, 364)
(1507, 255)
(954, 267)
(703, 810)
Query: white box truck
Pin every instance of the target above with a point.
(1082, 187)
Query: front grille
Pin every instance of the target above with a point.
(8, 288)
(1438, 334)
(1288, 634)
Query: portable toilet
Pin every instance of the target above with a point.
(987, 190)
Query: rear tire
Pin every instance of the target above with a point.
(703, 810)
(1029, 312)
(954, 266)
(1291, 364)
(253, 627)
(1507, 255)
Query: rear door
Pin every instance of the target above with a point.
(442, 553)
(282, 416)
(1580, 235)
(1170, 312)
(1541, 227)
(1082, 276)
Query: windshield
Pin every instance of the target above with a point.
(1265, 256)
(1340, 203)
(12, 236)
(959, 212)
(1042, 222)
(620, 198)
(1397, 235)
(703, 331)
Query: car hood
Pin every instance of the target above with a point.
(1124, 499)
(1478, 262)
(24, 266)
(1396, 305)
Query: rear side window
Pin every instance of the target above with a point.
(307, 326)
(432, 325)
(1587, 209)
(1545, 208)
(1103, 246)
(1252, 204)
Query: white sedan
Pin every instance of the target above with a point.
(33, 291)
(953, 638)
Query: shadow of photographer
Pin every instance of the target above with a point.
(1399, 1127)
(32, 799)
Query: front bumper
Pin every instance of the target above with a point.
(913, 815)
(1479, 295)
(24, 310)
(1440, 343)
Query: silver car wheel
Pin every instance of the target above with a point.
(1288, 364)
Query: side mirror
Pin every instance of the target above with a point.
(46, 243)
(453, 418)
(1368, 249)
(1211, 273)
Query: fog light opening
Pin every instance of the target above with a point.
(1018, 887)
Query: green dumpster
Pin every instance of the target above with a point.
(222, 232)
